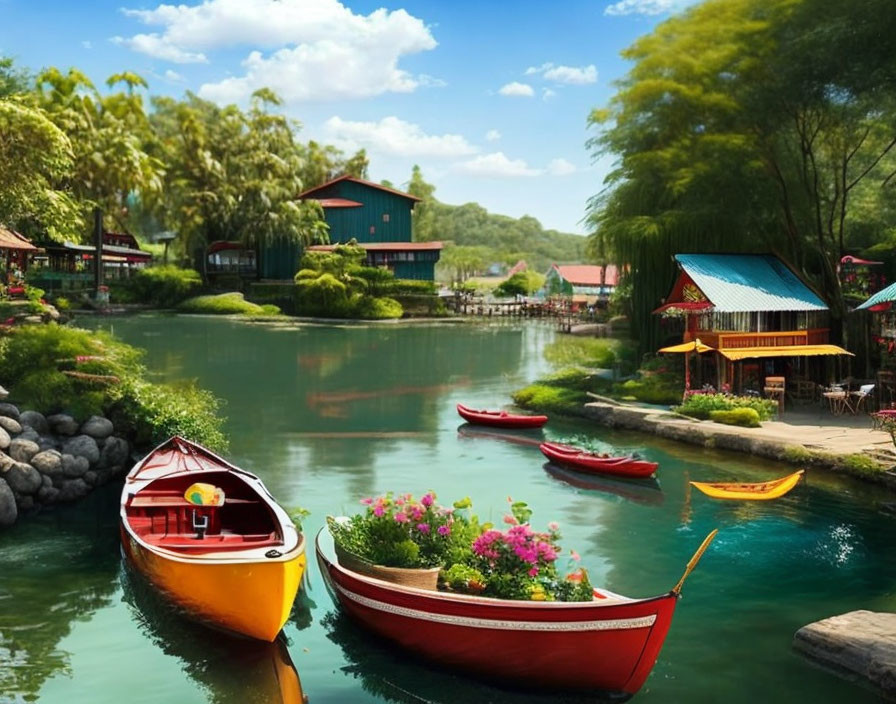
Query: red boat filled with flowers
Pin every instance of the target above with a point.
(500, 419)
(547, 631)
(586, 461)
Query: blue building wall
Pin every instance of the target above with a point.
(381, 217)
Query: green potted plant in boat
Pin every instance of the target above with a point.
(405, 540)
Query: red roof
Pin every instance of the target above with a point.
(221, 245)
(589, 274)
(309, 193)
(518, 267)
(338, 203)
(10, 239)
(383, 246)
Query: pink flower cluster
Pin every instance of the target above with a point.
(524, 547)
(410, 511)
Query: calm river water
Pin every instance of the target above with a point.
(327, 415)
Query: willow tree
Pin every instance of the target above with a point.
(736, 130)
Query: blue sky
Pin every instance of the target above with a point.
(490, 98)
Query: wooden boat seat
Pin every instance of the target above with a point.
(177, 501)
(222, 541)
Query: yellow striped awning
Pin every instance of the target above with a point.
(735, 353)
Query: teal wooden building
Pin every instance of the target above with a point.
(380, 220)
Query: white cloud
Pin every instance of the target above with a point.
(644, 7)
(394, 136)
(173, 76)
(497, 165)
(492, 135)
(153, 45)
(547, 94)
(573, 75)
(304, 49)
(561, 167)
(517, 89)
(87, 44)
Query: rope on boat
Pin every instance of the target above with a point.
(692, 563)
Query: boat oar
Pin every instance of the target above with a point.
(692, 563)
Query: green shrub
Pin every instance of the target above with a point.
(660, 380)
(701, 405)
(862, 465)
(523, 283)
(796, 454)
(746, 417)
(553, 399)
(413, 286)
(371, 308)
(52, 368)
(581, 351)
(62, 304)
(225, 304)
(160, 286)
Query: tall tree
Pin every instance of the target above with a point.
(107, 133)
(736, 130)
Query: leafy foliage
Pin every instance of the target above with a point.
(701, 405)
(745, 417)
(523, 283)
(163, 286)
(581, 351)
(105, 376)
(226, 304)
(740, 128)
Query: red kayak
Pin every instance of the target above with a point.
(500, 419)
(585, 461)
(607, 645)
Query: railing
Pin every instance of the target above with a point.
(781, 338)
(241, 269)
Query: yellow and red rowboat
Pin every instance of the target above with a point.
(758, 491)
(234, 563)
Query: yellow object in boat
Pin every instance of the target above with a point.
(758, 491)
(201, 494)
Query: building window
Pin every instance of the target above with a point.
(385, 217)
(372, 230)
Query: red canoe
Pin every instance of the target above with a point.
(607, 645)
(500, 419)
(585, 461)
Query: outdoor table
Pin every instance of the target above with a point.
(839, 401)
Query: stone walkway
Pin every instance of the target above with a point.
(827, 437)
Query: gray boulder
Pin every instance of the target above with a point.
(47, 494)
(90, 477)
(25, 503)
(8, 510)
(35, 420)
(860, 643)
(48, 462)
(115, 451)
(5, 462)
(23, 478)
(4, 439)
(82, 446)
(104, 474)
(46, 481)
(63, 424)
(73, 489)
(10, 425)
(29, 433)
(97, 427)
(74, 466)
(47, 442)
(22, 450)
(8, 410)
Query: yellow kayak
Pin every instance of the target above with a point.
(759, 491)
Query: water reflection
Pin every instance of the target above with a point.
(642, 491)
(230, 670)
(55, 569)
(532, 438)
(393, 675)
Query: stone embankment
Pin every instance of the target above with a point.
(860, 645)
(54, 459)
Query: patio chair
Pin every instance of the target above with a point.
(861, 397)
(774, 389)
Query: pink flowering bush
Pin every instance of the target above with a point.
(403, 531)
(521, 563)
